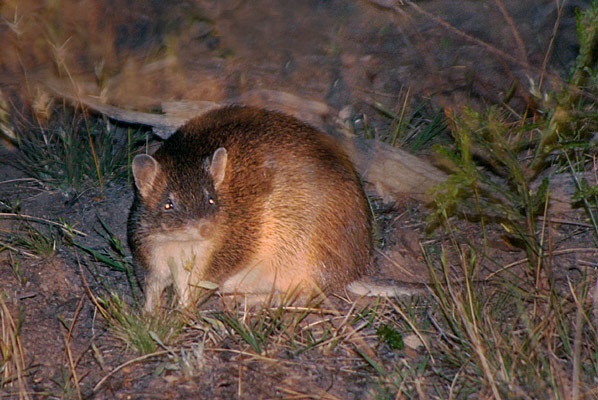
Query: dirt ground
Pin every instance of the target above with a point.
(350, 55)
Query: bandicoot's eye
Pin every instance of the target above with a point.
(168, 205)
(209, 198)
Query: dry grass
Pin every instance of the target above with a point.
(531, 334)
(12, 364)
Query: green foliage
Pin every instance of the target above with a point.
(586, 66)
(266, 327)
(115, 258)
(76, 152)
(254, 333)
(502, 163)
(494, 342)
(13, 369)
(513, 341)
(571, 114)
(140, 332)
(493, 178)
(587, 192)
(30, 236)
(389, 335)
(37, 241)
(409, 129)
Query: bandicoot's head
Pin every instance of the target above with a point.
(179, 192)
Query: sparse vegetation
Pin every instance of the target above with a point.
(412, 129)
(34, 241)
(13, 367)
(524, 328)
(116, 259)
(512, 343)
(143, 334)
(76, 152)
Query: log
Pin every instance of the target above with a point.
(393, 172)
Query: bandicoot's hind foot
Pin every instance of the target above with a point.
(365, 287)
(274, 299)
(262, 284)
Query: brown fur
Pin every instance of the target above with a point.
(281, 209)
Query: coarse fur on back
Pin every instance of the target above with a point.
(253, 200)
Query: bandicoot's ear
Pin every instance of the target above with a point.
(218, 166)
(145, 170)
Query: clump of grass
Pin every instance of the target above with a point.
(12, 363)
(586, 194)
(502, 162)
(492, 179)
(511, 149)
(34, 236)
(31, 236)
(504, 343)
(265, 329)
(32, 240)
(76, 152)
(410, 128)
(115, 258)
(254, 333)
(142, 333)
(365, 336)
